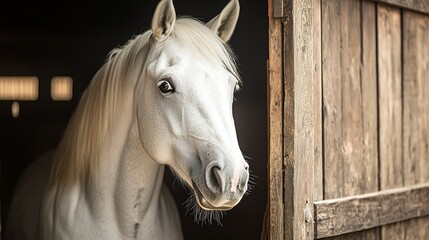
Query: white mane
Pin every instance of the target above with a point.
(76, 158)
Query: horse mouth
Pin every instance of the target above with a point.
(203, 202)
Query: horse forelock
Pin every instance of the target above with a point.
(198, 38)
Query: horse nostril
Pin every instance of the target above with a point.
(214, 179)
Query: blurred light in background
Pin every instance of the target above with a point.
(62, 88)
(19, 88)
(15, 109)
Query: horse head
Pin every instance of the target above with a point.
(184, 104)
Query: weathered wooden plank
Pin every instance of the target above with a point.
(275, 128)
(350, 101)
(289, 121)
(416, 112)
(350, 97)
(369, 98)
(390, 96)
(299, 138)
(369, 162)
(361, 235)
(317, 102)
(415, 5)
(360, 212)
(332, 104)
(416, 76)
(424, 75)
(390, 106)
(304, 125)
(352, 146)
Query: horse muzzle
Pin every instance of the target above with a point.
(222, 185)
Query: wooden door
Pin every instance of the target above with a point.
(348, 119)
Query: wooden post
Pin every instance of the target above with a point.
(299, 116)
(275, 216)
(294, 104)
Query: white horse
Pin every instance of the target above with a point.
(163, 99)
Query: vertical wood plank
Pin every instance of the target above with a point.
(416, 110)
(424, 163)
(350, 100)
(299, 113)
(416, 95)
(317, 102)
(350, 97)
(390, 106)
(369, 141)
(369, 97)
(304, 125)
(332, 105)
(424, 75)
(390, 96)
(275, 127)
(289, 120)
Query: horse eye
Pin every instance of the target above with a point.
(165, 87)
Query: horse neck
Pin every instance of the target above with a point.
(139, 177)
(127, 176)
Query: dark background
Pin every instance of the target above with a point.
(47, 38)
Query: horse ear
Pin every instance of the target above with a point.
(224, 23)
(163, 20)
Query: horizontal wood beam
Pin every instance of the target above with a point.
(350, 214)
(421, 6)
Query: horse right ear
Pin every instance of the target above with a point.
(163, 20)
(224, 23)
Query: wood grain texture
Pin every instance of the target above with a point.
(275, 128)
(415, 5)
(304, 125)
(343, 42)
(416, 95)
(350, 90)
(332, 104)
(390, 106)
(298, 119)
(289, 120)
(390, 96)
(356, 213)
(317, 102)
(369, 98)
(369, 105)
(349, 97)
(350, 101)
(415, 49)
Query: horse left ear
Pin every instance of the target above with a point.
(163, 20)
(224, 23)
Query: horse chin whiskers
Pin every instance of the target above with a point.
(202, 216)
